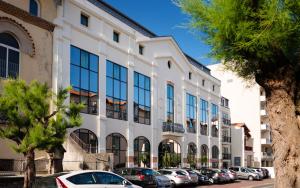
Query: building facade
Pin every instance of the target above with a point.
(247, 104)
(147, 102)
(26, 33)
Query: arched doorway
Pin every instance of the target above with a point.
(86, 139)
(204, 155)
(191, 156)
(169, 154)
(215, 156)
(9, 56)
(141, 152)
(117, 144)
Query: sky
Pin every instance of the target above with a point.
(164, 19)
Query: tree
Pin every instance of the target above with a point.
(30, 122)
(259, 40)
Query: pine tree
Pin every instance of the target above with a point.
(30, 122)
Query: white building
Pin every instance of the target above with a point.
(247, 104)
(144, 95)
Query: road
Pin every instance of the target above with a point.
(266, 183)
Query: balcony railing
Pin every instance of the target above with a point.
(266, 155)
(172, 127)
(226, 139)
(191, 129)
(227, 156)
(248, 148)
(226, 121)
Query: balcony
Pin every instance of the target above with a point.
(248, 148)
(266, 141)
(191, 129)
(265, 127)
(226, 139)
(226, 156)
(266, 156)
(172, 129)
(226, 122)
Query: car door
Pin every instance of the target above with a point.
(244, 173)
(109, 180)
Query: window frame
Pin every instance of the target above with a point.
(85, 16)
(38, 8)
(172, 101)
(188, 107)
(8, 48)
(141, 49)
(80, 88)
(113, 78)
(117, 35)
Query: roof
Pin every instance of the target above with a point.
(247, 130)
(140, 28)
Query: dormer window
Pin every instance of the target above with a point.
(34, 7)
(141, 50)
(169, 64)
(116, 36)
(190, 75)
(203, 82)
(84, 20)
(213, 87)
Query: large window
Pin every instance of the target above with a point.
(9, 56)
(214, 114)
(204, 155)
(215, 152)
(86, 139)
(116, 91)
(191, 111)
(170, 103)
(191, 156)
(142, 99)
(117, 144)
(141, 152)
(84, 79)
(34, 7)
(225, 119)
(204, 117)
(169, 154)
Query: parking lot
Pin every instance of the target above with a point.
(266, 183)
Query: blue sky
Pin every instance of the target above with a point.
(164, 18)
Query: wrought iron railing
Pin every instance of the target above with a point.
(226, 139)
(172, 127)
(86, 147)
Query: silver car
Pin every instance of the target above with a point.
(162, 180)
(258, 171)
(177, 177)
(193, 177)
(245, 173)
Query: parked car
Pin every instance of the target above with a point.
(244, 173)
(223, 174)
(92, 179)
(145, 177)
(202, 179)
(232, 175)
(193, 177)
(213, 175)
(258, 171)
(177, 177)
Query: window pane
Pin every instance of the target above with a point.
(141, 97)
(141, 81)
(116, 71)
(136, 79)
(2, 62)
(80, 179)
(75, 56)
(94, 62)
(84, 79)
(116, 89)
(147, 83)
(147, 98)
(123, 74)
(75, 76)
(93, 82)
(84, 59)
(109, 69)
(123, 91)
(109, 86)
(136, 94)
(33, 8)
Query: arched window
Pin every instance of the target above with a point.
(86, 139)
(215, 152)
(141, 152)
(204, 155)
(191, 157)
(169, 154)
(117, 144)
(34, 7)
(9, 56)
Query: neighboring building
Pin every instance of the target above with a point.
(147, 102)
(242, 145)
(26, 32)
(226, 132)
(247, 104)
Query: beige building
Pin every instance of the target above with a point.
(26, 50)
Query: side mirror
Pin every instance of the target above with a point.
(126, 183)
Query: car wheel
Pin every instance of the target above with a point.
(172, 184)
(211, 180)
(250, 178)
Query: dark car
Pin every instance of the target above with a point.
(202, 179)
(144, 177)
(214, 175)
(266, 172)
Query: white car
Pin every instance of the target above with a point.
(92, 179)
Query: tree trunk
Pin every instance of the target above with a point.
(29, 175)
(286, 137)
